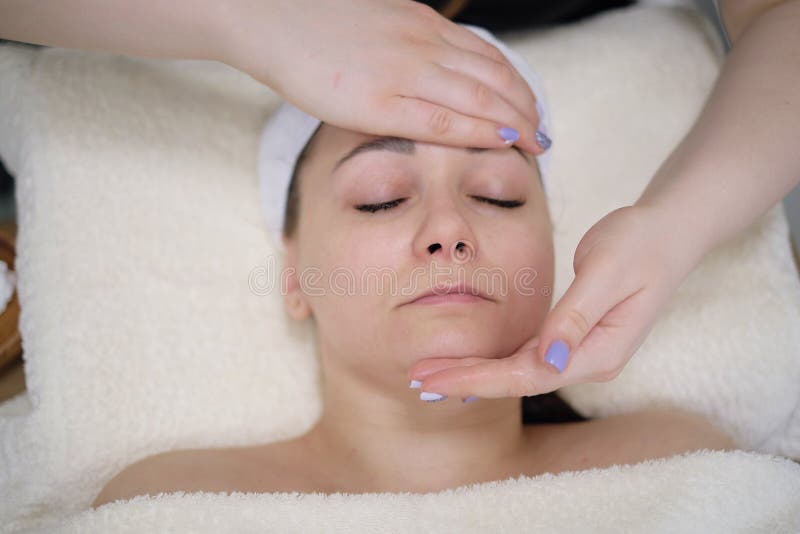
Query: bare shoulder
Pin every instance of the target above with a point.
(635, 437)
(668, 432)
(139, 478)
(191, 470)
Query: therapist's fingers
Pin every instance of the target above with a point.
(518, 375)
(594, 291)
(423, 369)
(432, 123)
(484, 61)
(600, 358)
(608, 347)
(428, 366)
(472, 97)
(475, 86)
(610, 269)
(369, 80)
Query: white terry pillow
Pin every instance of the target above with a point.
(142, 250)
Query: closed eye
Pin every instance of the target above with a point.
(381, 206)
(372, 208)
(501, 203)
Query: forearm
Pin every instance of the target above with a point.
(180, 29)
(741, 156)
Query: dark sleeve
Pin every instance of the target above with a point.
(500, 15)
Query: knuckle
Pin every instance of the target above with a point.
(577, 322)
(610, 375)
(482, 93)
(504, 74)
(440, 121)
(494, 53)
(424, 10)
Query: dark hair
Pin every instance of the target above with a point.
(548, 408)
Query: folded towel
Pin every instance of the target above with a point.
(704, 491)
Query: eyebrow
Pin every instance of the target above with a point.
(402, 145)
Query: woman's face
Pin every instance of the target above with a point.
(357, 269)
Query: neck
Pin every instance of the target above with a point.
(384, 438)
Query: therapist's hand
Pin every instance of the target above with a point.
(388, 67)
(627, 267)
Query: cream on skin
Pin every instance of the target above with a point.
(373, 426)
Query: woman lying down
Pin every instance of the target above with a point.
(424, 218)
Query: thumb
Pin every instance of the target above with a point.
(593, 292)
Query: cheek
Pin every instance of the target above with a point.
(348, 311)
(342, 248)
(526, 243)
(361, 246)
(347, 272)
(526, 253)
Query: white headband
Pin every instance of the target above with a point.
(289, 129)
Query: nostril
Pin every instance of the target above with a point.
(463, 252)
(433, 248)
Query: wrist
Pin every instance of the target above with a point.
(248, 37)
(680, 235)
(225, 26)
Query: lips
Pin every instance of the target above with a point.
(439, 294)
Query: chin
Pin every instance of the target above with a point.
(449, 338)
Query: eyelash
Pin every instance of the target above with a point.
(372, 208)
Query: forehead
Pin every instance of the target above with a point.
(336, 145)
(331, 138)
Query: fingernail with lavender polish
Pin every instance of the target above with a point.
(509, 135)
(415, 384)
(470, 399)
(557, 355)
(543, 140)
(431, 396)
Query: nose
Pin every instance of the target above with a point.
(446, 236)
(460, 251)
